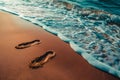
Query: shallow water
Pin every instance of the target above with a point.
(112, 6)
(91, 27)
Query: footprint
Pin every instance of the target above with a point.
(27, 44)
(40, 61)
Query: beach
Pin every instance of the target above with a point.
(14, 63)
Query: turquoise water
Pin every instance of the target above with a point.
(111, 6)
(91, 27)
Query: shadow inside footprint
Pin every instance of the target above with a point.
(27, 44)
(40, 61)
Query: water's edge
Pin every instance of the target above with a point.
(91, 60)
(87, 25)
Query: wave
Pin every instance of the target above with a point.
(112, 6)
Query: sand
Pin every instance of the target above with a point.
(14, 63)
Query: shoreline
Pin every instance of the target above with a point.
(67, 65)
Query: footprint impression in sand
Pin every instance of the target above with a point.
(27, 44)
(40, 61)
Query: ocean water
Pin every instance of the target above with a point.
(91, 27)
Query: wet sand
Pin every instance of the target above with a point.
(14, 63)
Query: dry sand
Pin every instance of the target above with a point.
(14, 63)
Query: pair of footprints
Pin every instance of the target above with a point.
(38, 61)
